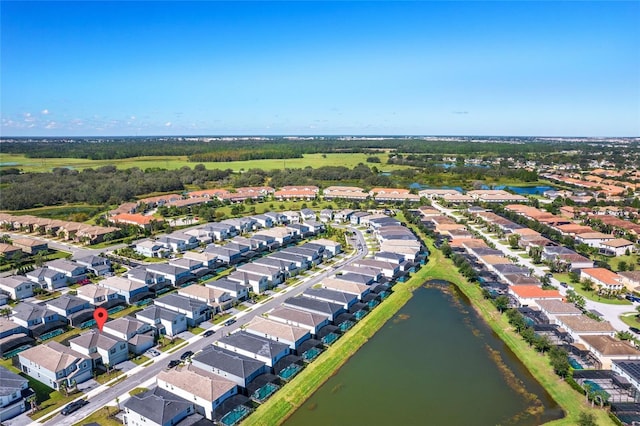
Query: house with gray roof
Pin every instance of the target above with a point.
(263, 221)
(311, 321)
(225, 255)
(176, 275)
(194, 310)
(268, 240)
(156, 407)
(53, 363)
(16, 287)
(101, 348)
(346, 300)
(73, 308)
(252, 346)
(151, 248)
(207, 390)
(48, 279)
(288, 268)
(99, 265)
(32, 316)
(356, 278)
(236, 289)
(126, 288)
(301, 262)
(74, 271)
(372, 273)
(139, 335)
(389, 270)
(357, 289)
(98, 296)
(258, 283)
(386, 256)
(219, 231)
(276, 217)
(278, 331)
(238, 368)
(312, 256)
(332, 310)
(273, 274)
(13, 389)
(165, 321)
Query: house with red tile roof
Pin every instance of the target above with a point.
(602, 278)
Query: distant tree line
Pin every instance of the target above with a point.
(104, 185)
(233, 150)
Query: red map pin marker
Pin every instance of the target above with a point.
(100, 315)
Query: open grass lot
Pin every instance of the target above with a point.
(175, 162)
(631, 259)
(103, 417)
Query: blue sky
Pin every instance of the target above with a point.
(426, 68)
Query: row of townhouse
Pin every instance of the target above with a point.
(72, 231)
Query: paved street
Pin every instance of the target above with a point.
(610, 312)
(139, 376)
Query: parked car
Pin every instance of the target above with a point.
(186, 355)
(74, 406)
(635, 330)
(153, 352)
(208, 333)
(230, 321)
(563, 284)
(174, 363)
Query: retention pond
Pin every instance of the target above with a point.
(435, 363)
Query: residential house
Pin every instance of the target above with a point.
(346, 300)
(263, 221)
(8, 251)
(156, 407)
(288, 268)
(238, 368)
(273, 274)
(301, 262)
(299, 318)
(194, 310)
(196, 267)
(237, 290)
(98, 296)
(53, 364)
(37, 317)
(296, 193)
(165, 321)
(224, 255)
(102, 349)
(331, 248)
(278, 331)
(348, 287)
(137, 219)
(139, 335)
(342, 215)
(128, 289)
(594, 239)
(74, 271)
(528, 295)
(73, 308)
(31, 246)
(617, 247)
(47, 278)
(252, 346)
(277, 218)
(630, 279)
(13, 390)
(581, 325)
(16, 287)
(97, 265)
(345, 192)
(604, 279)
(326, 215)
(207, 390)
(150, 248)
(208, 260)
(553, 307)
(176, 275)
(220, 231)
(258, 283)
(218, 300)
(332, 310)
(387, 269)
(178, 241)
(291, 217)
(606, 348)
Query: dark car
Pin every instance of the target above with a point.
(563, 284)
(186, 355)
(208, 333)
(635, 330)
(174, 363)
(229, 322)
(74, 406)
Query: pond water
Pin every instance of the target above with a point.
(435, 363)
(525, 190)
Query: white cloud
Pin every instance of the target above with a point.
(167, 124)
(51, 125)
(45, 112)
(133, 117)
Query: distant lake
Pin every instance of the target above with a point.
(435, 363)
(525, 190)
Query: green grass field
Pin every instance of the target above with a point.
(175, 162)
